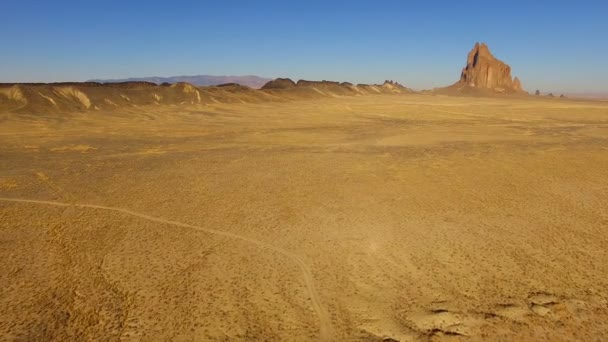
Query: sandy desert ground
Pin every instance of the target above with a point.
(397, 217)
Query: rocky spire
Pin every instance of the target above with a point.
(483, 70)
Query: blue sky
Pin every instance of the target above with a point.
(559, 46)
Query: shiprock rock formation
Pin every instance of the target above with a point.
(483, 70)
(484, 73)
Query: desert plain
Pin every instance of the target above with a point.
(390, 217)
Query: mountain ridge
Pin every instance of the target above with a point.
(251, 81)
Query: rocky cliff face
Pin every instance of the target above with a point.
(485, 71)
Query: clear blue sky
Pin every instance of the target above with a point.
(559, 46)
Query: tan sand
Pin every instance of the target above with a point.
(404, 217)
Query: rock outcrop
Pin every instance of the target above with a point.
(72, 97)
(517, 85)
(196, 80)
(306, 83)
(484, 71)
(279, 83)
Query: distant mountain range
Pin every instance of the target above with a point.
(198, 80)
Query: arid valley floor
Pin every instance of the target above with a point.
(405, 217)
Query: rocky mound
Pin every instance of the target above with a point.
(396, 87)
(485, 72)
(279, 83)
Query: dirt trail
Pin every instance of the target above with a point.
(325, 330)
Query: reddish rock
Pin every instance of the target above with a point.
(483, 70)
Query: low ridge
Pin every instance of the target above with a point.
(66, 97)
(197, 80)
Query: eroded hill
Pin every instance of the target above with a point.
(48, 98)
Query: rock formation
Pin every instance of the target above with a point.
(305, 83)
(279, 83)
(517, 84)
(197, 80)
(71, 97)
(484, 71)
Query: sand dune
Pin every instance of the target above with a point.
(298, 216)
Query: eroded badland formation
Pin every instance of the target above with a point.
(60, 98)
(303, 211)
